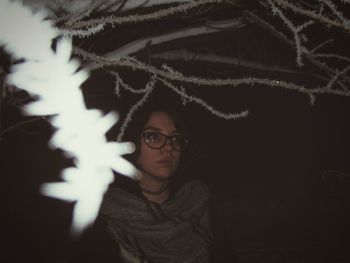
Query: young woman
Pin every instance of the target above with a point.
(164, 216)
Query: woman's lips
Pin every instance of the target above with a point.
(165, 161)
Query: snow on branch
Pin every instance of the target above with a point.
(211, 109)
(82, 33)
(78, 9)
(135, 18)
(187, 55)
(147, 91)
(134, 64)
(54, 78)
(168, 76)
(336, 12)
(139, 44)
(308, 55)
(315, 14)
(295, 30)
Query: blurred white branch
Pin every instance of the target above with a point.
(79, 132)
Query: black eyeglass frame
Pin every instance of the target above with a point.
(170, 138)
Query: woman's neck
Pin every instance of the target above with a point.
(154, 189)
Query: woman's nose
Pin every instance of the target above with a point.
(168, 146)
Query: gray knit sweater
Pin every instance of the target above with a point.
(177, 231)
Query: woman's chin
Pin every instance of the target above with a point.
(164, 173)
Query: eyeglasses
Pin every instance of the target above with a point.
(157, 140)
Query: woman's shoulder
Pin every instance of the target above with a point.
(195, 190)
(117, 197)
(196, 186)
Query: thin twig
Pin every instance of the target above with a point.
(306, 54)
(20, 124)
(312, 14)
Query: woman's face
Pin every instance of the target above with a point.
(163, 162)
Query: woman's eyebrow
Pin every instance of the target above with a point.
(176, 131)
(151, 128)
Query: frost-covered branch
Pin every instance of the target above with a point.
(82, 33)
(336, 12)
(307, 55)
(79, 9)
(150, 86)
(134, 64)
(318, 55)
(139, 44)
(294, 29)
(187, 55)
(322, 44)
(147, 91)
(314, 15)
(137, 18)
(188, 98)
(337, 76)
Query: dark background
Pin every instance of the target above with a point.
(279, 178)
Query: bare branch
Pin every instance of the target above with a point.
(211, 109)
(313, 15)
(137, 45)
(20, 124)
(133, 64)
(134, 108)
(307, 54)
(113, 20)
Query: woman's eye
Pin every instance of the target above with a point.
(152, 137)
(177, 139)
